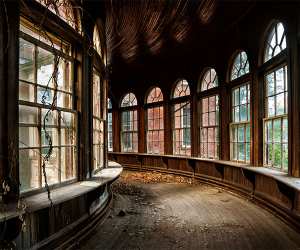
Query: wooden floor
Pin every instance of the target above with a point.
(159, 212)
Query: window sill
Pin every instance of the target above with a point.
(62, 194)
(277, 175)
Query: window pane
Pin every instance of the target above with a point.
(68, 163)
(52, 166)
(28, 137)
(26, 61)
(26, 92)
(45, 70)
(29, 160)
(276, 41)
(28, 115)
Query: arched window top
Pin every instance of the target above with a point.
(109, 104)
(276, 41)
(155, 95)
(240, 66)
(97, 40)
(209, 80)
(63, 9)
(181, 89)
(129, 100)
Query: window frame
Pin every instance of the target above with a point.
(280, 60)
(154, 105)
(131, 110)
(109, 132)
(40, 107)
(185, 101)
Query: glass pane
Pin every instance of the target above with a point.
(280, 104)
(244, 112)
(64, 75)
(45, 67)
(277, 155)
(49, 136)
(241, 135)
(243, 94)
(277, 130)
(26, 61)
(26, 92)
(49, 117)
(68, 163)
(52, 166)
(29, 161)
(68, 137)
(45, 96)
(67, 119)
(280, 81)
(271, 106)
(64, 100)
(28, 115)
(28, 137)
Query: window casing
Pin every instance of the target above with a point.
(109, 126)
(240, 138)
(181, 119)
(47, 118)
(129, 124)
(98, 122)
(155, 122)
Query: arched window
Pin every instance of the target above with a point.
(209, 80)
(276, 103)
(209, 121)
(45, 79)
(65, 10)
(129, 123)
(181, 119)
(240, 137)
(155, 122)
(240, 66)
(276, 41)
(181, 89)
(97, 40)
(109, 126)
(98, 122)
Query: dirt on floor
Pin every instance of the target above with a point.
(159, 211)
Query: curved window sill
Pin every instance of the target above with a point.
(277, 175)
(62, 194)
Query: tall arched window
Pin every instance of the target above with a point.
(98, 123)
(155, 122)
(45, 80)
(109, 126)
(129, 123)
(181, 118)
(65, 10)
(209, 119)
(240, 139)
(97, 41)
(276, 102)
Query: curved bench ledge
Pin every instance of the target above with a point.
(271, 188)
(65, 193)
